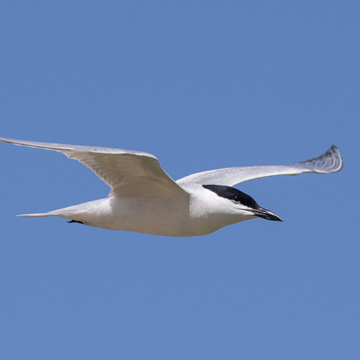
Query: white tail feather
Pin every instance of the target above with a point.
(76, 212)
(37, 215)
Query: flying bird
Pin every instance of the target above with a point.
(145, 199)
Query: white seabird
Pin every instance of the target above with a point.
(143, 198)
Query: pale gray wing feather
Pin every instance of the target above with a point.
(329, 162)
(126, 172)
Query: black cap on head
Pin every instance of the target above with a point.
(236, 195)
(233, 194)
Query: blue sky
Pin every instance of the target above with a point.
(202, 85)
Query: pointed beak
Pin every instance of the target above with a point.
(266, 214)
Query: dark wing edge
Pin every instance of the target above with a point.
(327, 163)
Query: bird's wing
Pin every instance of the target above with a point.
(126, 172)
(329, 162)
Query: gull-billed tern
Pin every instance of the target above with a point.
(143, 198)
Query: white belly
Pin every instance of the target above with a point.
(145, 215)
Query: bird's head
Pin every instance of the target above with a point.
(239, 203)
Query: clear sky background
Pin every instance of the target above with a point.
(202, 85)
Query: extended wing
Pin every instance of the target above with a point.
(329, 162)
(126, 172)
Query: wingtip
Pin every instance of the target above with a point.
(329, 162)
(5, 140)
(334, 149)
(334, 152)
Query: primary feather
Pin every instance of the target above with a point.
(329, 162)
(125, 171)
